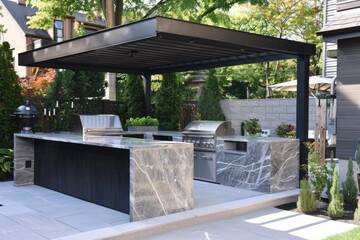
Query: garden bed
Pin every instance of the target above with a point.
(321, 212)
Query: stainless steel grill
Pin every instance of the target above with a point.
(100, 125)
(203, 135)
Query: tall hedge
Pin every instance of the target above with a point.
(134, 96)
(209, 100)
(336, 206)
(350, 191)
(168, 102)
(306, 201)
(77, 87)
(10, 96)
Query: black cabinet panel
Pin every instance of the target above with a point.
(96, 174)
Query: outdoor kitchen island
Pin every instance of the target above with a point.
(142, 177)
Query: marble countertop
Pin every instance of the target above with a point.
(259, 139)
(105, 141)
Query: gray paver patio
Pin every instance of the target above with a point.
(47, 214)
(220, 212)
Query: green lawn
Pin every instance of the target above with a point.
(350, 235)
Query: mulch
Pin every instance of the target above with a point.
(321, 212)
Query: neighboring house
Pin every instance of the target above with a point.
(23, 38)
(341, 34)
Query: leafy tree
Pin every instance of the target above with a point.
(209, 100)
(10, 95)
(349, 186)
(290, 19)
(306, 201)
(168, 102)
(134, 96)
(114, 11)
(335, 208)
(2, 27)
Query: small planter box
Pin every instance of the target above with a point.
(142, 128)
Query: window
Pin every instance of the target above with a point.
(58, 31)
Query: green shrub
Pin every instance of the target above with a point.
(318, 171)
(306, 202)
(336, 207)
(330, 175)
(349, 186)
(357, 214)
(6, 163)
(134, 96)
(10, 96)
(69, 85)
(168, 102)
(209, 100)
(144, 121)
(6, 158)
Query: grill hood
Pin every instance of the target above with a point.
(99, 124)
(217, 128)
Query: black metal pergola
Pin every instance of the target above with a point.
(159, 45)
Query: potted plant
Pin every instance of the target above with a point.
(144, 124)
(285, 130)
(252, 127)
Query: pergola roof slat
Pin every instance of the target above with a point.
(159, 44)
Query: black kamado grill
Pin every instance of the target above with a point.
(26, 117)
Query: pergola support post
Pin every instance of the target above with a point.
(147, 77)
(302, 109)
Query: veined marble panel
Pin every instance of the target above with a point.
(285, 166)
(268, 165)
(161, 182)
(23, 152)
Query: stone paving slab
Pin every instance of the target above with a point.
(220, 213)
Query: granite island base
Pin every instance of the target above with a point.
(261, 164)
(143, 177)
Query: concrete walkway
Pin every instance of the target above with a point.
(220, 212)
(264, 224)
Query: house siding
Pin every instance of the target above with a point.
(348, 97)
(329, 64)
(16, 37)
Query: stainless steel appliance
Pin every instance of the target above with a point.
(203, 135)
(102, 125)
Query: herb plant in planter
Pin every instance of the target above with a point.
(252, 127)
(144, 124)
(285, 130)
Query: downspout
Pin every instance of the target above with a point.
(332, 101)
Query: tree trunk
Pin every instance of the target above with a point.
(109, 12)
(119, 9)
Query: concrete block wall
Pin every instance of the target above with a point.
(271, 112)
